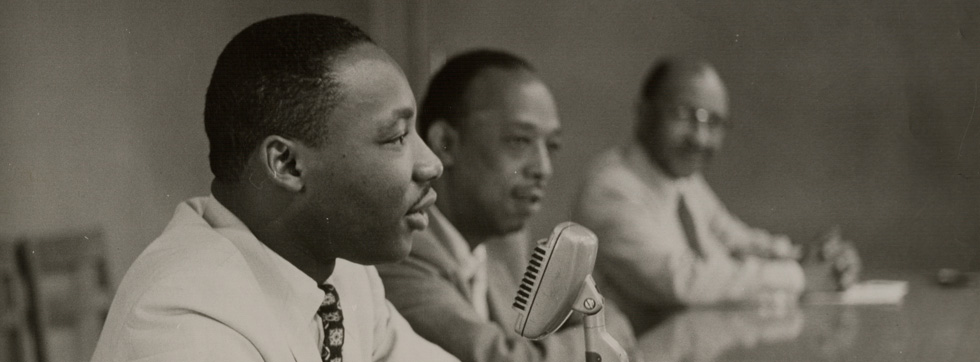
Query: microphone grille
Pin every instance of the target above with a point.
(530, 278)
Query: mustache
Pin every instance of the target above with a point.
(689, 148)
(424, 192)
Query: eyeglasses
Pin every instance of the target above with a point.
(696, 117)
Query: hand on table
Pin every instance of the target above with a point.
(778, 248)
(833, 265)
(783, 248)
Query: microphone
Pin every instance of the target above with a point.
(557, 282)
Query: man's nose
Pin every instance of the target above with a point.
(701, 134)
(540, 167)
(427, 166)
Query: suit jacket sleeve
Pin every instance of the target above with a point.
(169, 322)
(647, 266)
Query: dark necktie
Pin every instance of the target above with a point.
(333, 325)
(687, 223)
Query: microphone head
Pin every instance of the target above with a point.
(554, 277)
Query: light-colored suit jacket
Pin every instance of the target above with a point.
(428, 289)
(645, 262)
(208, 290)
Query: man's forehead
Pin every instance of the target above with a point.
(372, 85)
(701, 90)
(500, 119)
(366, 69)
(511, 101)
(494, 87)
(365, 62)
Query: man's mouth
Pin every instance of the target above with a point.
(427, 199)
(696, 152)
(417, 218)
(529, 195)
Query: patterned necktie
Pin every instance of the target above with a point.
(333, 325)
(687, 222)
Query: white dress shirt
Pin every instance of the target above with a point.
(208, 290)
(644, 257)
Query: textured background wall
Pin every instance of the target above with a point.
(857, 113)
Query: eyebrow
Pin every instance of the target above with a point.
(404, 113)
(396, 118)
(524, 125)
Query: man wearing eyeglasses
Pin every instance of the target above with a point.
(665, 239)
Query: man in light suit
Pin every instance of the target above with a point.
(318, 173)
(494, 125)
(665, 239)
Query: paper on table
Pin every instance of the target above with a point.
(867, 292)
(876, 292)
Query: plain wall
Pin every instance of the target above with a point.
(101, 106)
(853, 113)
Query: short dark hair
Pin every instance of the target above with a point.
(445, 97)
(658, 78)
(274, 78)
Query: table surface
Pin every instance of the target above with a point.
(933, 323)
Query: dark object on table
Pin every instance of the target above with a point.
(949, 277)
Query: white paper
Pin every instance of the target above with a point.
(876, 292)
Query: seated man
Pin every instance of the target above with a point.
(318, 173)
(664, 237)
(494, 125)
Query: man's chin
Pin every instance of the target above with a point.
(513, 224)
(686, 168)
(402, 250)
(391, 254)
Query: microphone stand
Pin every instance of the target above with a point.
(599, 345)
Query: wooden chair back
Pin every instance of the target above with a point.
(70, 292)
(16, 336)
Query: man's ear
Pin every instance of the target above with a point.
(444, 141)
(278, 157)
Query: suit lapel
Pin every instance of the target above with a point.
(275, 291)
(433, 243)
(506, 260)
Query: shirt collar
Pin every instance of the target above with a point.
(288, 288)
(470, 260)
